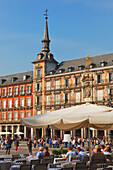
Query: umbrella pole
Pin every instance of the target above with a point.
(89, 142)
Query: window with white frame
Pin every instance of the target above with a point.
(99, 94)
(28, 89)
(38, 112)
(22, 102)
(28, 113)
(57, 84)
(57, 98)
(16, 103)
(3, 116)
(22, 89)
(9, 116)
(48, 85)
(28, 101)
(16, 90)
(48, 99)
(4, 104)
(10, 103)
(4, 92)
(21, 115)
(10, 91)
(77, 97)
(15, 115)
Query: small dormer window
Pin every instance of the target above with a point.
(51, 72)
(70, 69)
(24, 77)
(103, 63)
(92, 65)
(2, 81)
(80, 67)
(61, 70)
(50, 56)
(13, 79)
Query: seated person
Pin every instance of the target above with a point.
(79, 147)
(46, 151)
(40, 153)
(108, 146)
(70, 154)
(102, 147)
(95, 149)
(98, 156)
(81, 154)
(107, 151)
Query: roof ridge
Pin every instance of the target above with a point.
(15, 74)
(86, 56)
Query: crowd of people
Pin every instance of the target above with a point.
(77, 147)
(6, 143)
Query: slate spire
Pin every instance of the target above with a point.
(45, 41)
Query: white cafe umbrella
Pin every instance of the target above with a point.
(97, 116)
(5, 133)
(86, 115)
(19, 133)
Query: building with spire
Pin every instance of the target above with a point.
(55, 86)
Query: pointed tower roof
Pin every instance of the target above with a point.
(46, 34)
(45, 41)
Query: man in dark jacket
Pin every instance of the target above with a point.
(29, 144)
(8, 146)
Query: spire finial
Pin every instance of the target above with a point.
(46, 14)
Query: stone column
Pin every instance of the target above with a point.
(82, 135)
(18, 128)
(43, 132)
(24, 131)
(71, 133)
(105, 133)
(93, 133)
(61, 134)
(12, 131)
(31, 132)
(96, 133)
(51, 133)
(85, 133)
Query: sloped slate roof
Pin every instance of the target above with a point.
(108, 58)
(18, 78)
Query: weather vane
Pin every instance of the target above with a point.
(46, 14)
(88, 61)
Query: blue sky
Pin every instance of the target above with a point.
(76, 28)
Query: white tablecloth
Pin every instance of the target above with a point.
(15, 167)
(30, 158)
(59, 159)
